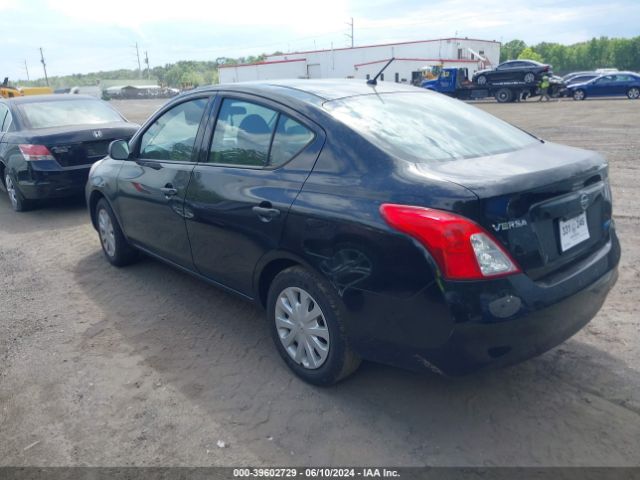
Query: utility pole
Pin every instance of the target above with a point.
(138, 55)
(27, 70)
(146, 61)
(350, 36)
(44, 66)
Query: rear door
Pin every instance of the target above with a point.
(620, 84)
(153, 184)
(258, 157)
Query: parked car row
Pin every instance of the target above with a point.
(587, 85)
(383, 222)
(513, 76)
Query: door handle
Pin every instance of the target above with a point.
(169, 191)
(266, 214)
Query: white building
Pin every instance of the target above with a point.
(366, 61)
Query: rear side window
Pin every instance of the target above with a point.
(427, 127)
(173, 135)
(68, 112)
(290, 138)
(251, 135)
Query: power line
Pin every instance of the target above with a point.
(44, 66)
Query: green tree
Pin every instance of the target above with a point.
(511, 50)
(529, 54)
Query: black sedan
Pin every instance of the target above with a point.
(527, 71)
(49, 142)
(388, 223)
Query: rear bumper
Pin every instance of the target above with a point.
(478, 325)
(477, 345)
(38, 184)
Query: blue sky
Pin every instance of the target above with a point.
(80, 37)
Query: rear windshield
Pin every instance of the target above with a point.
(427, 127)
(68, 112)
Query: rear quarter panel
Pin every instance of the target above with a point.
(387, 281)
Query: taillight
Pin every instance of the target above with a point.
(462, 249)
(35, 152)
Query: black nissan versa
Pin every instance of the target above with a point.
(48, 143)
(380, 222)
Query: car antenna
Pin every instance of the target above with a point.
(374, 80)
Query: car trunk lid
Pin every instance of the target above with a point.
(547, 204)
(80, 146)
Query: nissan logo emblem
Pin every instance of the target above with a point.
(584, 201)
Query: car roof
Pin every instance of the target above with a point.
(522, 60)
(314, 91)
(48, 98)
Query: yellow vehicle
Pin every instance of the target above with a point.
(35, 90)
(8, 91)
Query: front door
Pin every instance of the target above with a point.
(259, 157)
(153, 184)
(603, 86)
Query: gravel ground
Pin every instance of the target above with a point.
(148, 366)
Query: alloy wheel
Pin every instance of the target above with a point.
(107, 235)
(11, 191)
(634, 93)
(302, 328)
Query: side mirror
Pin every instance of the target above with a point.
(119, 150)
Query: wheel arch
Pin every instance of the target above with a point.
(269, 267)
(94, 198)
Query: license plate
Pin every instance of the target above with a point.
(573, 231)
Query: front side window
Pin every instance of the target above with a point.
(3, 114)
(173, 135)
(48, 114)
(427, 127)
(251, 135)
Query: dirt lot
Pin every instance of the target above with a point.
(148, 366)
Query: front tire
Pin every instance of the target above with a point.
(633, 93)
(117, 250)
(579, 94)
(307, 321)
(16, 198)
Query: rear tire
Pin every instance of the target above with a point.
(117, 250)
(16, 198)
(504, 95)
(579, 94)
(633, 93)
(307, 321)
